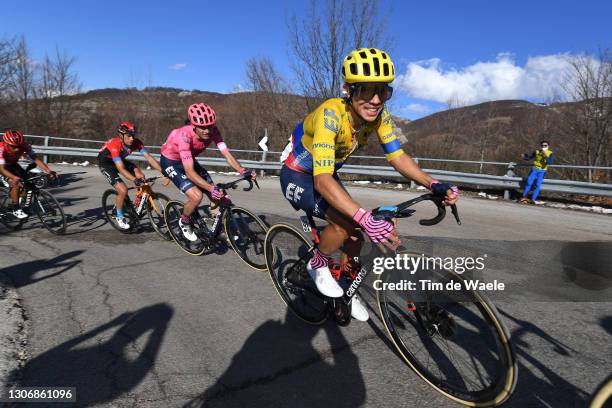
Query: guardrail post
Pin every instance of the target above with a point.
(263, 159)
(264, 153)
(509, 173)
(46, 144)
(412, 183)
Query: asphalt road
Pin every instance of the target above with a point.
(131, 320)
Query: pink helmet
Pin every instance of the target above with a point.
(200, 114)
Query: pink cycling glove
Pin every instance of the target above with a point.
(216, 194)
(377, 230)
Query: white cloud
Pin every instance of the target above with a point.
(539, 79)
(177, 67)
(415, 107)
(238, 88)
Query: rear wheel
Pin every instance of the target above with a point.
(155, 209)
(110, 212)
(454, 340)
(246, 233)
(49, 212)
(287, 253)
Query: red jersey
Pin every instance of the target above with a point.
(12, 157)
(115, 150)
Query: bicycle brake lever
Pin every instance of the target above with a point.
(250, 187)
(455, 213)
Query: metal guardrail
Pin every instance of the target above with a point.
(507, 183)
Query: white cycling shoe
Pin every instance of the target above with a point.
(20, 214)
(359, 311)
(326, 284)
(122, 223)
(188, 231)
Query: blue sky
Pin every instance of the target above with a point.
(464, 51)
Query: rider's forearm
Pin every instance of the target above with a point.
(6, 173)
(334, 194)
(408, 168)
(231, 160)
(123, 171)
(153, 162)
(42, 165)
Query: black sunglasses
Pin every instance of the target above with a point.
(367, 91)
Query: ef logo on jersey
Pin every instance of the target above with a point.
(294, 192)
(170, 171)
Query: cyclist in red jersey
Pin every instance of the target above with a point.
(12, 148)
(113, 164)
(177, 160)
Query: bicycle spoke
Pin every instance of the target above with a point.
(455, 345)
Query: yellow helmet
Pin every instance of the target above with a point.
(367, 65)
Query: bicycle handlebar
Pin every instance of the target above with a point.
(232, 185)
(148, 181)
(403, 210)
(41, 175)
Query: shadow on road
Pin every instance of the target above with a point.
(544, 388)
(67, 202)
(278, 366)
(84, 221)
(606, 323)
(23, 274)
(587, 264)
(102, 368)
(65, 179)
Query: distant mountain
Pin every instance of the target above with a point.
(491, 131)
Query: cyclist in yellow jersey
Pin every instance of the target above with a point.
(322, 143)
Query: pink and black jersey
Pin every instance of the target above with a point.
(184, 144)
(114, 150)
(8, 157)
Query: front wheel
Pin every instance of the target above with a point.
(246, 233)
(6, 216)
(110, 211)
(454, 340)
(155, 209)
(172, 214)
(287, 253)
(50, 212)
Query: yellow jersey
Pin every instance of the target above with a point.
(325, 139)
(541, 159)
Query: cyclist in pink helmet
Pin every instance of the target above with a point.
(177, 161)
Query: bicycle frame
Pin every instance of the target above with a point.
(388, 212)
(225, 208)
(216, 228)
(145, 193)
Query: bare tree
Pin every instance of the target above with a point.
(7, 64)
(57, 82)
(262, 76)
(23, 82)
(320, 41)
(456, 116)
(270, 105)
(589, 84)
